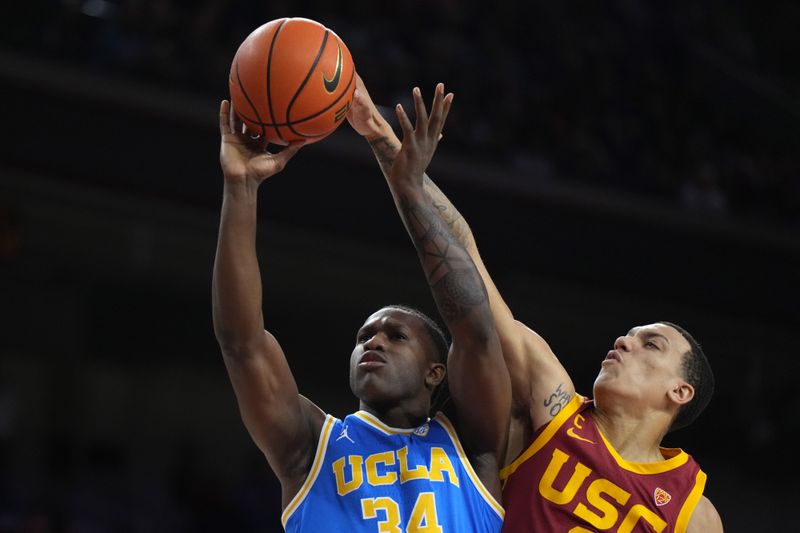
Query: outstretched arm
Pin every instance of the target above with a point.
(283, 424)
(540, 384)
(479, 384)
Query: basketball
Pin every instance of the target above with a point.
(292, 79)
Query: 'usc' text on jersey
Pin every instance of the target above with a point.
(570, 479)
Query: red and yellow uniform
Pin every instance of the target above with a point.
(571, 480)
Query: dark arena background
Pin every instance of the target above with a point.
(620, 163)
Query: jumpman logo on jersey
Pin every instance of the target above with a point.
(344, 435)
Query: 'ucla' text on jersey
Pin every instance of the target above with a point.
(368, 477)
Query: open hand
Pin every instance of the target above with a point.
(420, 141)
(243, 157)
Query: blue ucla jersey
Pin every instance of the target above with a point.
(369, 478)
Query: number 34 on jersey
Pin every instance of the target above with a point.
(423, 517)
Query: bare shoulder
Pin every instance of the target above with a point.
(548, 386)
(314, 418)
(299, 460)
(540, 385)
(537, 353)
(314, 414)
(705, 518)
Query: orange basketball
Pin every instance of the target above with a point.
(292, 79)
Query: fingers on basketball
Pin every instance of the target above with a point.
(224, 125)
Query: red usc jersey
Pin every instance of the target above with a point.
(570, 479)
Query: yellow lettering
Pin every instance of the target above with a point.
(420, 472)
(373, 478)
(424, 518)
(609, 513)
(579, 529)
(440, 463)
(370, 508)
(344, 487)
(561, 497)
(640, 511)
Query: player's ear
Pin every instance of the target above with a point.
(681, 392)
(435, 375)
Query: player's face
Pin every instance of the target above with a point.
(390, 362)
(644, 364)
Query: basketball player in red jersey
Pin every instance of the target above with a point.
(580, 465)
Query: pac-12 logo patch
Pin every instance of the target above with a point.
(661, 497)
(422, 430)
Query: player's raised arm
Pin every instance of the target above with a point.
(479, 383)
(540, 385)
(283, 424)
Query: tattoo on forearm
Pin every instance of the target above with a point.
(452, 275)
(385, 152)
(448, 213)
(557, 400)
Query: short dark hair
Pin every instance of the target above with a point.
(435, 332)
(441, 394)
(697, 372)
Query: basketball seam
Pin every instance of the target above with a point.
(309, 117)
(326, 108)
(305, 81)
(247, 97)
(269, 73)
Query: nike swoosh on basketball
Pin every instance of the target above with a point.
(331, 84)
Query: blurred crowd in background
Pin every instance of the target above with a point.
(691, 103)
(90, 491)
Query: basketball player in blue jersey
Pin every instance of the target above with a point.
(387, 467)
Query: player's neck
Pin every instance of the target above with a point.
(398, 416)
(635, 438)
